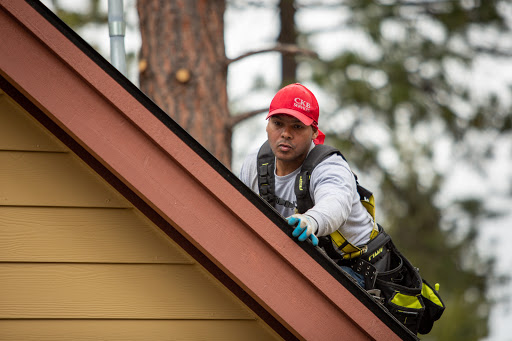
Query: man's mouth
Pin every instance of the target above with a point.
(284, 147)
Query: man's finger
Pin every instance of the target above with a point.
(303, 236)
(298, 230)
(292, 220)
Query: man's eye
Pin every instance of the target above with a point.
(298, 126)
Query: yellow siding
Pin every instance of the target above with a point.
(123, 330)
(52, 179)
(66, 234)
(19, 131)
(78, 261)
(128, 291)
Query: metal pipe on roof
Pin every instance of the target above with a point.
(116, 30)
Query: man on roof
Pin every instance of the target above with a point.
(293, 132)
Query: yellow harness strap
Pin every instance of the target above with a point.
(344, 246)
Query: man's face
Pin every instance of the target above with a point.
(289, 139)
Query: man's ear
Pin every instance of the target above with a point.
(268, 125)
(315, 133)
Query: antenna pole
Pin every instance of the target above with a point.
(116, 29)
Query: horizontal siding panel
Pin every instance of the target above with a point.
(97, 235)
(111, 291)
(20, 131)
(113, 330)
(52, 179)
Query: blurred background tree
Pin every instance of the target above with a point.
(396, 101)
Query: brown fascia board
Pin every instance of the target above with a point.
(133, 144)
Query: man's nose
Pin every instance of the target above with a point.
(287, 133)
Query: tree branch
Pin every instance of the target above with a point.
(493, 51)
(282, 48)
(326, 5)
(234, 120)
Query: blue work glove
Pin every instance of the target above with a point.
(305, 227)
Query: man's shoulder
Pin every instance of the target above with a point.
(335, 160)
(325, 154)
(334, 163)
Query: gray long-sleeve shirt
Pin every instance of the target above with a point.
(333, 189)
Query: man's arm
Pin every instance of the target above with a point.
(333, 189)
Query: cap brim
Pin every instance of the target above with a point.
(297, 114)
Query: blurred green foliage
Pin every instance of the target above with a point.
(77, 20)
(414, 96)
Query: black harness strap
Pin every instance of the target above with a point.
(315, 156)
(266, 180)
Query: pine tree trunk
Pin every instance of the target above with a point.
(183, 67)
(287, 36)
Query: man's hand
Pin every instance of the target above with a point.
(305, 227)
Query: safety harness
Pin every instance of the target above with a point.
(388, 275)
(336, 245)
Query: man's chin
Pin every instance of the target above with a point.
(285, 156)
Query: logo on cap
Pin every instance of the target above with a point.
(301, 104)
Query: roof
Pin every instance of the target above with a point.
(106, 120)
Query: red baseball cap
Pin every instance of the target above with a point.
(298, 101)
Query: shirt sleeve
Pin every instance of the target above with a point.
(333, 189)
